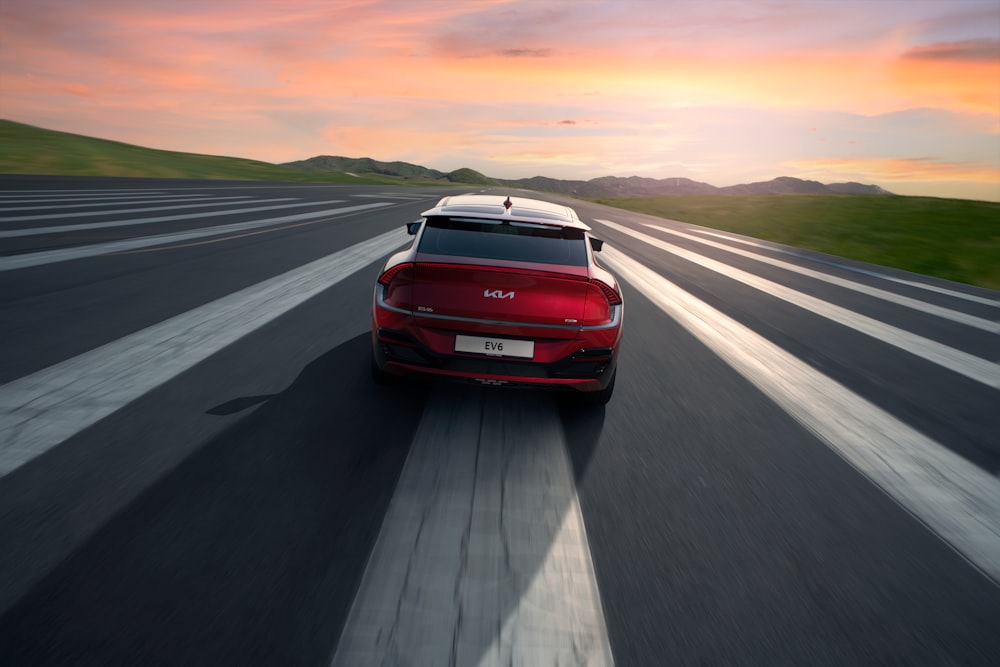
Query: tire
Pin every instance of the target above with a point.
(379, 376)
(601, 397)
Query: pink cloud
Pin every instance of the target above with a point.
(903, 169)
(978, 50)
(494, 80)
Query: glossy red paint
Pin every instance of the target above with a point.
(571, 313)
(478, 291)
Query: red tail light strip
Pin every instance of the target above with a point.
(612, 295)
(391, 273)
(616, 318)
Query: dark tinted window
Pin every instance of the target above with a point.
(514, 241)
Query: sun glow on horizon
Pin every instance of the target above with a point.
(713, 91)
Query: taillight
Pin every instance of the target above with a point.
(601, 299)
(609, 292)
(397, 285)
(392, 272)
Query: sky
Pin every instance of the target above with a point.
(904, 94)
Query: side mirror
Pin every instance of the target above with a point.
(413, 227)
(596, 244)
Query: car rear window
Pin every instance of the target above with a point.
(504, 240)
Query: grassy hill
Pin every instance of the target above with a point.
(32, 150)
(365, 165)
(404, 170)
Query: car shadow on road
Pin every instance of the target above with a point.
(481, 548)
(249, 552)
(252, 549)
(582, 426)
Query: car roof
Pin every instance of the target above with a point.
(522, 209)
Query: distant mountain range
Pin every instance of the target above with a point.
(605, 186)
(34, 150)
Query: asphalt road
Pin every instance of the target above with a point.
(799, 466)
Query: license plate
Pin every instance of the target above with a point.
(495, 347)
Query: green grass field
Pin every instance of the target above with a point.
(949, 238)
(30, 150)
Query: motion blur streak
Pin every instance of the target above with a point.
(866, 272)
(13, 262)
(969, 365)
(915, 304)
(51, 196)
(35, 231)
(39, 411)
(45, 204)
(956, 499)
(483, 557)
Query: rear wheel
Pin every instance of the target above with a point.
(599, 397)
(379, 376)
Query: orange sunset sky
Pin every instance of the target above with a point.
(904, 94)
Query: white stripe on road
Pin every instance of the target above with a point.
(39, 411)
(482, 558)
(101, 192)
(958, 500)
(83, 197)
(971, 366)
(12, 262)
(31, 231)
(47, 205)
(874, 274)
(390, 196)
(868, 290)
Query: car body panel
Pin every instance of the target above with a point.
(484, 292)
(561, 322)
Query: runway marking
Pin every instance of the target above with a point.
(41, 410)
(392, 196)
(101, 191)
(482, 558)
(874, 274)
(915, 304)
(971, 366)
(44, 205)
(223, 239)
(82, 197)
(33, 231)
(959, 501)
(13, 262)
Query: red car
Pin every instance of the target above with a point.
(499, 292)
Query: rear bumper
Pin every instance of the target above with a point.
(586, 369)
